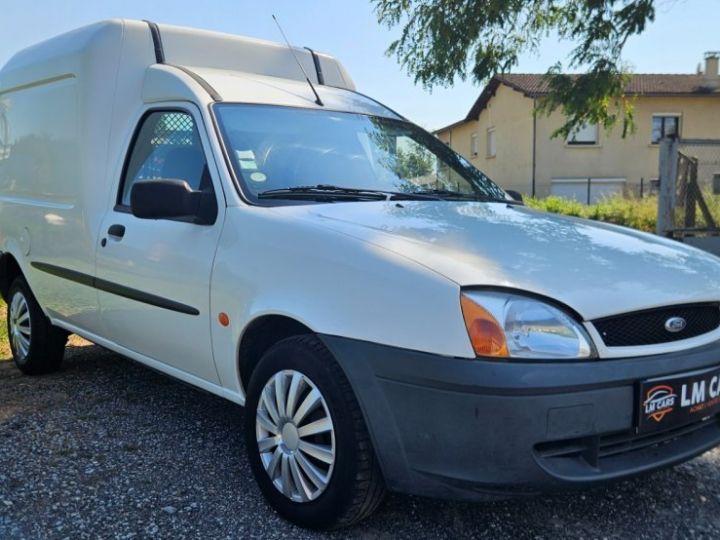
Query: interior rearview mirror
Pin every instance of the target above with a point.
(172, 199)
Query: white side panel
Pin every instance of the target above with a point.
(235, 397)
(42, 194)
(58, 97)
(270, 263)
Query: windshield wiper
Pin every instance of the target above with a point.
(450, 194)
(323, 191)
(332, 192)
(328, 191)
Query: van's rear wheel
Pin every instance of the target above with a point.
(308, 445)
(37, 346)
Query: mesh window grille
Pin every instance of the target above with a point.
(174, 129)
(167, 146)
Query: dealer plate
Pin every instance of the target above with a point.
(681, 399)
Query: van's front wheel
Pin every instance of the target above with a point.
(308, 445)
(37, 346)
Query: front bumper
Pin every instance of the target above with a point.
(474, 429)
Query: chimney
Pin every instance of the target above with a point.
(711, 78)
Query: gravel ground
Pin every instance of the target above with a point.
(109, 449)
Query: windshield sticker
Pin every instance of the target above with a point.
(258, 177)
(246, 159)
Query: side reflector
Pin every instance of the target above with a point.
(223, 319)
(486, 335)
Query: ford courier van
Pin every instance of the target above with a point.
(389, 317)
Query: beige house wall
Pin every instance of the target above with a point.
(509, 113)
(633, 158)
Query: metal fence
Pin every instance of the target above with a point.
(594, 190)
(689, 191)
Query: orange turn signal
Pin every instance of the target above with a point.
(486, 334)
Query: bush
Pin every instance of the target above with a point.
(631, 212)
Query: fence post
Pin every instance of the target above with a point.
(589, 189)
(668, 178)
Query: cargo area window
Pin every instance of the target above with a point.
(166, 146)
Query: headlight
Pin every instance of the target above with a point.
(506, 325)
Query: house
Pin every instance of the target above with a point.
(502, 137)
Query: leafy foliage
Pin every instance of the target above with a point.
(414, 162)
(443, 40)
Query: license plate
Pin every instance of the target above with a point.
(681, 399)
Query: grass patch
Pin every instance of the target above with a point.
(639, 214)
(632, 212)
(4, 343)
(6, 354)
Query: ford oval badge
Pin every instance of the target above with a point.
(675, 324)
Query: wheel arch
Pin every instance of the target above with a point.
(259, 335)
(9, 270)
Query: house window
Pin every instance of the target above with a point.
(491, 147)
(665, 125)
(586, 134)
(474, 144)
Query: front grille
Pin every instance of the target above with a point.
(648, 327)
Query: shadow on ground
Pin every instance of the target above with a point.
(109, 448)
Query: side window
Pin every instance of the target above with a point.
(168, 147)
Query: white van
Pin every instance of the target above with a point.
(389, 317)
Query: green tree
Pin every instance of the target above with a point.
(415, 162)
(445, 40)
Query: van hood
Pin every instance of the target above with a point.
(595, 268)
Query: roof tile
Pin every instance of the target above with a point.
(644, 84)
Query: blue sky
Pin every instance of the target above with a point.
(683, 30)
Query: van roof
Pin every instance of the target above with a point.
(182, 46)
(215, 50)
(158, 61)
(233, 86)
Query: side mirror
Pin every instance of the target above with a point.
(516, 196)
(172, 199)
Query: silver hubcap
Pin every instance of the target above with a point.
(20, 326)
(295, 436)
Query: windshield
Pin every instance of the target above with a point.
(283, 151)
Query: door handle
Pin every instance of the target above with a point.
(116, 231)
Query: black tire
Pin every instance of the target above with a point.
(356, 487)
(46, 342)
